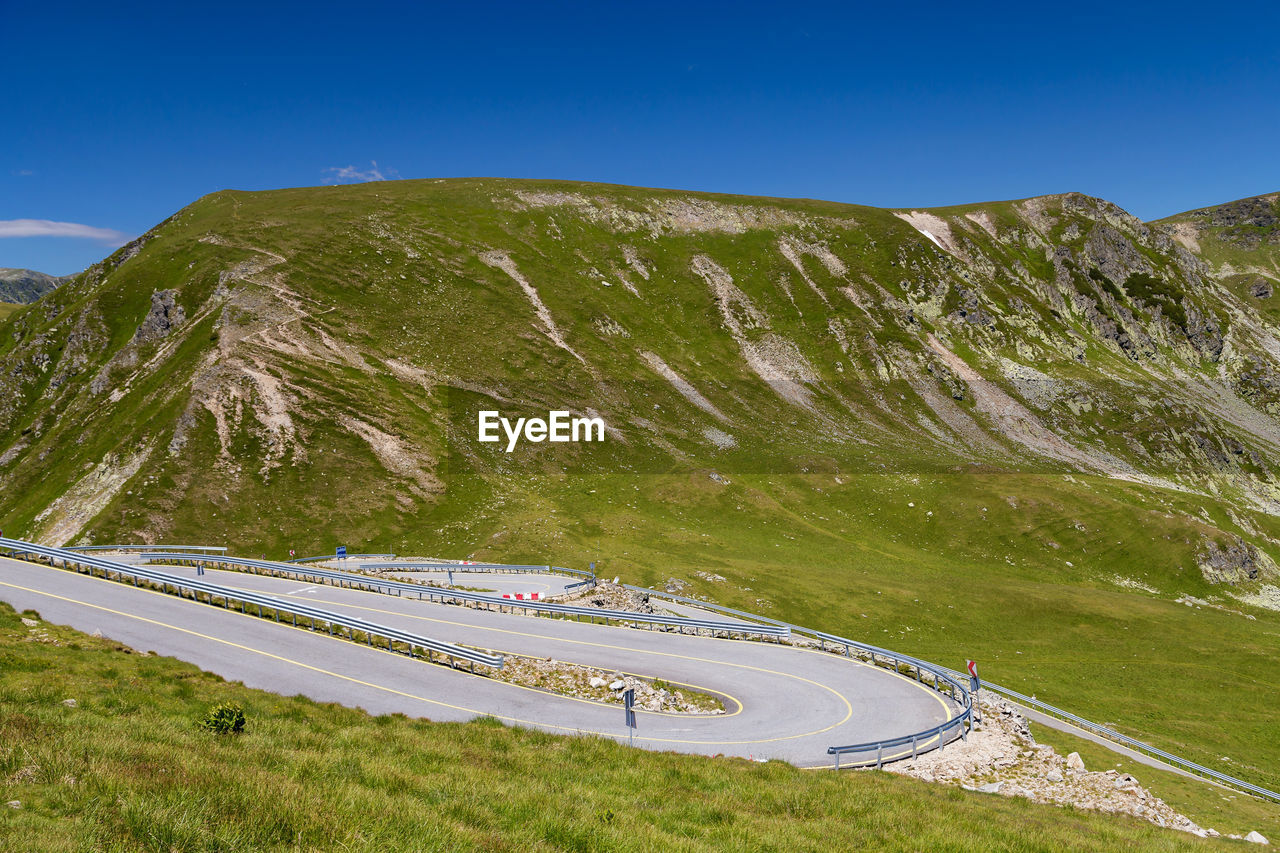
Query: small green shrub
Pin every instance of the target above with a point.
(1156, 291)
(224, 719)
(1105, 282)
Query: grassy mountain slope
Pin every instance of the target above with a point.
(1035, 433)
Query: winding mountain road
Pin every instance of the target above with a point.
(782, 702)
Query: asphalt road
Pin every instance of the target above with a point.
(783, 702)
(496, 583)
(547, 584)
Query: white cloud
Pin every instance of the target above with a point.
(49, 228)
(352, 175)
(23, 173)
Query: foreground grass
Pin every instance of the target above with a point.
(127, 769)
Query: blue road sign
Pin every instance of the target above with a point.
(631, 718)
(342, 550)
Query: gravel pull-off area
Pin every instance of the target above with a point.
(1001, 757)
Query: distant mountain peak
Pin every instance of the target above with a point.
(23, 286)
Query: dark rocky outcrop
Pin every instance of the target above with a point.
(1237, 562)
(1259, 211)
(164, 316)
(1113, 254)
(1203, 333)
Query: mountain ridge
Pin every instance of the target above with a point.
(23, 286)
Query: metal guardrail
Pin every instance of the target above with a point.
(408, 566)
(433, 593)
(959, 679)
(941, 679)
(580, 572)
(941, 675)
(706, 605)
(498, 568)
(1132, 743)
(144, 548)
(245, 598)
(943, 734)
(323, 557)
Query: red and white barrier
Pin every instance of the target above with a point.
(524, 596)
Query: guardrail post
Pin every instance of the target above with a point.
(913, 747)
(879, 756)
(837, 759)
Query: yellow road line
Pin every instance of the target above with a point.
(947, 709)
(936, 695)
(949, 712)
(394, 691)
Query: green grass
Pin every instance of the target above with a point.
(129, 768)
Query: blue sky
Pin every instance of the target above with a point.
(120, 114)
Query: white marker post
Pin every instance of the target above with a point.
(629, 700)
(974, 685)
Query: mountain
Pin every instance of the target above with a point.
(1025, 425)
(1055, 333)
(24, 286)
(1240, 239)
